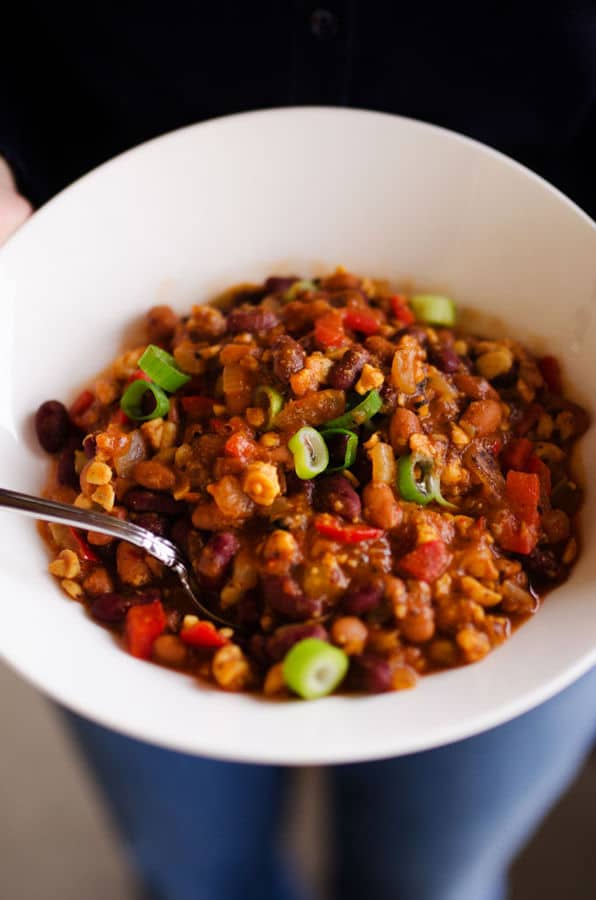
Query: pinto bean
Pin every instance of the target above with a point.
(380, 349)
(132, 566)
(154, 475)
(380, 506)
(346, 370)
(161, 323)
(254, 319)
(283, 638)
(404, 423)
(52, 425)
(418, 625)
(349, 633)
(482, 417)
(474, 387)
(288, 357)
(216, 556)
(361, 599)
(283, 595)
(334, 494)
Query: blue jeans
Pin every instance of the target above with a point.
(439, 825)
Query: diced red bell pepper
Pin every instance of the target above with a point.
(241, 446)
(329, 330)
(334, 528)
(144, 624)
(427, 562)
(81, 404)
(523, 494)
(139, 375)
(551, 372)
(84, 550)
(516, 454)
(401, 310)
(362, 320)
(540, 468)
(516, 536)
(197, 406)
(202, 634)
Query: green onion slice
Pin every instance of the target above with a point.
(314, 668)
(311, 456)
(299, 287)
(419, 482)
(433, 309)
(360, 414)
(342, 445)
(271, 400)
(161, 367)
(131, 401)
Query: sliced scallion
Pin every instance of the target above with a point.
(418, 481)
(161, 366)
(131, 401)
(342, 445)
(310, 453)
(433, 309)
(360, 414)
(299, 287)
(271, 400)
(313, 668)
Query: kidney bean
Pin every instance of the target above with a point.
(283, 595)
(90, 446)
(110, 607)
(148, 501)
(66, 472)
(362, 468)
(258, 650)
(283, 638)
(251, 320)
(152, 522)
(216, 556)
(247, 609)
(372, 673)
(288, 357)
(346, 370)
(52, 425)
(444, 358)
(180, 532)
(361, 599)
(415, 331)
(279, 283)
(334, 494)
(543, 566)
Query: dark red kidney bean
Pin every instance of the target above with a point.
(216, 556)
(66, 472)
(346, 370)
(334, 494)
(251, 320)
(52, 425)
(372, 673)
(337, 445)
(90, 446)
(362, 468)
(149, 595)
(288, 357)
(152, 522)
(361, 599)
(284, 596)
(295, 485)
(543, 566)
(283, 638)
(110, 607)
(180, 532)
(148, 501)
(444, 358)
(247, 609)
(278, 283)
(257, 649)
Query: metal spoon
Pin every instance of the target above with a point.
(162, 549)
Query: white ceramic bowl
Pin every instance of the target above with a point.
(296, 190)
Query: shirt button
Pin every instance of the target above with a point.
(323, 24)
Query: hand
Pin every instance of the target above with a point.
(14, 208)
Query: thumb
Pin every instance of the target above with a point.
(14, 208)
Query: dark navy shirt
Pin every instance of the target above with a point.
(76, 88)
